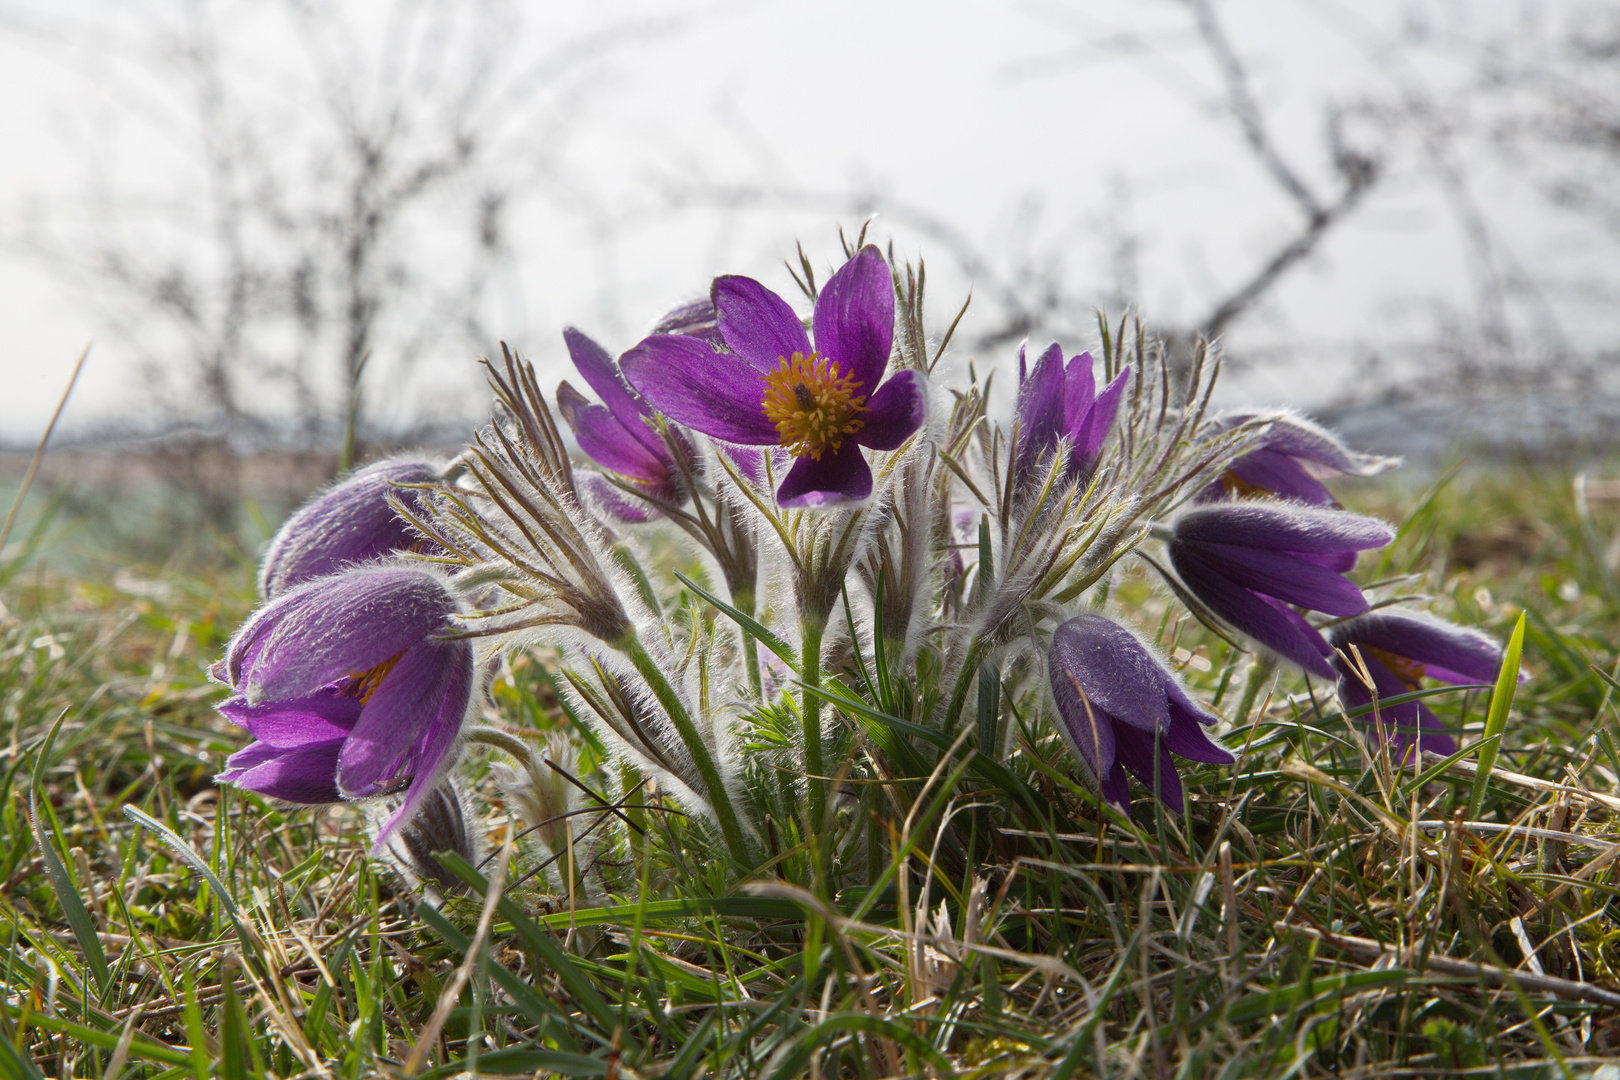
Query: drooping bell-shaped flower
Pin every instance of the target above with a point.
(821, 404)
(347, 524)
(352, 687)
(1114, 698)
(1249, 561)
(1400, 649)
(1294, 456)
(1057, 402)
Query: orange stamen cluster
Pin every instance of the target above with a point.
(366, 682)
(1409, 671)
(813, 404)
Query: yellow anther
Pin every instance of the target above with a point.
(366, 682)
(813, 404)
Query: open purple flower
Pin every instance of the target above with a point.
(349, 523)
(1113, 697)
(1248, 561)
(1055, 403)
(1294, 457)
(349, 689)
(821, 404)
(1400, 650)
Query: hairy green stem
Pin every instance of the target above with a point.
(743, 601)
(718, 798)
(810, 707)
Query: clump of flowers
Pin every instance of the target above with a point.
(789, 574)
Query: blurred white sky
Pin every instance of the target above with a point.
(1044, 130)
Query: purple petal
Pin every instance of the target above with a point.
(338, 626)
(305, 775)
(1136, 753)
(1300, 438)
(841, 475)
(1401, 724)
(1087, 727)
(325, 716)
(1079, 391)
(1093, 432)
(1116, 789)
(613, 502)
(1272, 624)
(1039, 411)
(854, 319)
(1286, 577)
(1282, 526)
(1281, 475)
(349, 523)
(431, 758)
(897, 411)
(606, 441)
(603, 376)
(1113, 669)
(1447, 652)
(750, 462)
(719, 394)
(757, 324)
(427, 689)
(695, 318)
(1186, 737)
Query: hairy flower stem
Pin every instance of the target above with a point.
(810, 707)
(719, 799)
(743, 600)
(1261, 669)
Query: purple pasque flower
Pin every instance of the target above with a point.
(822, 404)
(1400, 649)
(350, 522)
(1114, 696)
(1249, 561)
(1057, 402)
(1294, 456)
(619, 434)
(350, 688)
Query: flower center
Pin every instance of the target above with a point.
(1404, 668)
(366, 682)
(813, 404)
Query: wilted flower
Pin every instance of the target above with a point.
(1400, 650)
(1055, 403)
(1248, 561)
(773, 389)
(1113, 695)
(349, 523)
(618, 435)
(350, 690)
(1294, 456)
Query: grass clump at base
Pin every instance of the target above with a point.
(1317, 911)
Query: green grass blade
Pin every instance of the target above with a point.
(141, 1047)
(199, 864)
(1507, 684)
(578, 983)
(67, 891)
(524, 996)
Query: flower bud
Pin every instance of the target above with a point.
(348, 523)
